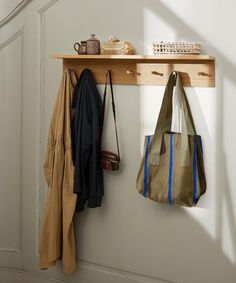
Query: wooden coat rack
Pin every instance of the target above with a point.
(196, 70)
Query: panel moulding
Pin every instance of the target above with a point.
(4, 44)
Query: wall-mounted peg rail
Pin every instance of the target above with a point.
(196, 70)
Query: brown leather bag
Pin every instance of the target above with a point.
(110, 160)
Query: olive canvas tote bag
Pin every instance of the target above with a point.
(172, 169)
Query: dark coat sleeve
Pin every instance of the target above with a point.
(86, 128)
(96, 174)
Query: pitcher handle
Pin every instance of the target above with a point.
(76, 47)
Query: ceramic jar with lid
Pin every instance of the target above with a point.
(93, 45)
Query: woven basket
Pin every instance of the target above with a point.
(176, 48)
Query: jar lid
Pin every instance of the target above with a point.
(93, 37)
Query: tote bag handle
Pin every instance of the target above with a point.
(165, 119)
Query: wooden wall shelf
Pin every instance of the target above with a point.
(196, 70)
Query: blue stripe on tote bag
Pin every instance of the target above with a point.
(195, 170)
(170, 171)
(145, 179)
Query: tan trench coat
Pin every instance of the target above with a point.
(57, 239)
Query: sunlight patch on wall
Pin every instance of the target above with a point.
(203, 104)
(155, 29)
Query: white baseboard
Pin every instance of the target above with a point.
(10, 259)
(86, 274)
(11, 275)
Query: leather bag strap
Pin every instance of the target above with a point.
(109, 81)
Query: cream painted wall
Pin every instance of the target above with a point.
(7, 6)
(129, 239)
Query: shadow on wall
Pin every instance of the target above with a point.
(215, 261)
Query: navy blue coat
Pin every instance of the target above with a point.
(86, 142)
